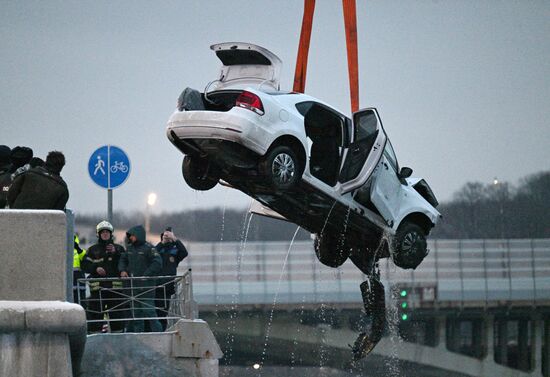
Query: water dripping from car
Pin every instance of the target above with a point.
(270, 321)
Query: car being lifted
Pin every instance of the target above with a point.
(336, 177)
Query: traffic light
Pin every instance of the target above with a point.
(404, 313)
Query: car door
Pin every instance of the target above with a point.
(362, 155)
(386, 189)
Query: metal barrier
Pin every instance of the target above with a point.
(455, 273)
(119, 300)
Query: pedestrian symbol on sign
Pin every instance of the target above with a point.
(99, 166)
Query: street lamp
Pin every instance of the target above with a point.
(499, 197)
(151, 200)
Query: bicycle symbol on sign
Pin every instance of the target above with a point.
(119, 165)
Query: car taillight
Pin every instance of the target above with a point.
(250, 101)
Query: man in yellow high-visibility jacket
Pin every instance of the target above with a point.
(78, 256)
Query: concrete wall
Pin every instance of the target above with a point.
(40, 333)
(33, 246)
(190, 350)
(41, 338)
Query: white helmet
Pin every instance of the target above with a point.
(104, 225)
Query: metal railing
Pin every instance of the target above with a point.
(455, 272)
(110, 300)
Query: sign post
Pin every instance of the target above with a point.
(109, 167)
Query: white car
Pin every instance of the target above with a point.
(334, 176)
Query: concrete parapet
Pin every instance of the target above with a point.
(189, 350)
(33, 245)
(41, 338)
(193, 338)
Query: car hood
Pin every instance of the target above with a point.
(245, 64)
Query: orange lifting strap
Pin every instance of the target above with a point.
(350, 23)
(303, 47)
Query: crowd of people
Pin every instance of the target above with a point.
(28, 182)
(127, 286)
(127, 302)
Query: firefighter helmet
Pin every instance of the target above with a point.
(104, 225)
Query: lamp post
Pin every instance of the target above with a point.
(500, 197)
(151, 200)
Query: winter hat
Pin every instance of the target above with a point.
(20, 156)
(5, 153)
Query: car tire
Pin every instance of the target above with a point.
(199, 173)
(331, 250)
(409, 245)
(281, 167)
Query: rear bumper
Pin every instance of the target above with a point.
(235, 126)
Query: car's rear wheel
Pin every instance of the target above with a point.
(409, 245)
(331, 249)
(281, 167)
(199, 173)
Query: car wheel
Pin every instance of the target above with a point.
(281, 167)
(199, 173)
(331, 250)
(409, 245)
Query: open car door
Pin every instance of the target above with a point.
(363, 154)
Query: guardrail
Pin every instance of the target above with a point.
(455, 272)
(115, 301)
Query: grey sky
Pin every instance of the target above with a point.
(463, 87)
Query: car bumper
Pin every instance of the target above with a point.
(235, 126)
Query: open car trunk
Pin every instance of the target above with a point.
(193, 100)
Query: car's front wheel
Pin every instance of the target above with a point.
(332, 250)
(409, 245)
(199, 173)
(281, 167)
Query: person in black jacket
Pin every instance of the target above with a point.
(5, 174)
(101, 261)
(172, 251)
(40, 187)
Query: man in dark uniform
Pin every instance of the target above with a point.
(40, 187)
(172, 251)
(141, 260)
(101, 261)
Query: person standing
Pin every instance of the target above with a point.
(141, 260)
(5, 174)
(79, 290)
(102, 261)
(40, 187)
(172, 251)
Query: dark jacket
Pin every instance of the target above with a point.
(172, 254)
(38, 188)
(141, 258)
(97, 256)
(5, 182)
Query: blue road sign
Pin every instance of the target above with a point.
(109, 166)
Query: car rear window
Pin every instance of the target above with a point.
(237, 57)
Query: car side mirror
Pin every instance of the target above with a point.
(405, 172)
